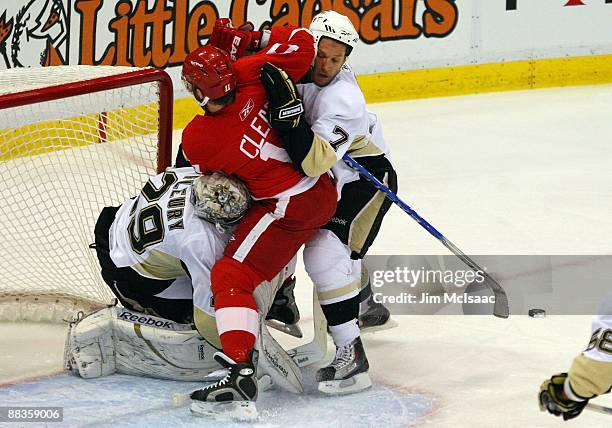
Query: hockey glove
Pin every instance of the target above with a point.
(553, 399)
(235, 41)
(285, 109)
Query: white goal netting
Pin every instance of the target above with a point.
(71, 142)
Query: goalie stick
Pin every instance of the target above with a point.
(500, 308)
(315, 350)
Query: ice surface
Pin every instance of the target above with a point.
(122, 400)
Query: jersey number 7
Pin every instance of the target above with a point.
(340, 141)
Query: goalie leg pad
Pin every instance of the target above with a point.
(89, 349)
(118, 340)
(154, 347)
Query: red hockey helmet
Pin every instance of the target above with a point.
(210, 70)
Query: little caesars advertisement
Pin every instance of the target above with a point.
(160, 33)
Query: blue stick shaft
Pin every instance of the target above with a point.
(381, 186)
(501, 300)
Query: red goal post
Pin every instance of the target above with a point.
(73, 139)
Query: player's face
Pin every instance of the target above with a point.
(330, 58)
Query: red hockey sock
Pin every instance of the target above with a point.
(235, 307)
(237, 344)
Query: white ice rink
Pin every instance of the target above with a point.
(511, 173)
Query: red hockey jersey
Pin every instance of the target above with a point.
(239, 140)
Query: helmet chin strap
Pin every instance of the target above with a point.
(204, 101)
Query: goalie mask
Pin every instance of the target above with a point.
(220, 199)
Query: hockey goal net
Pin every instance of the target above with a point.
(73, 139)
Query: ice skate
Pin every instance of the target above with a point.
(284, 314)
(347, 373)
(232, 397)
(375, 318)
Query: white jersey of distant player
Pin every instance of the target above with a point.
(337, 113)
(156, 231)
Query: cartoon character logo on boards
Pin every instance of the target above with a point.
(33, 33)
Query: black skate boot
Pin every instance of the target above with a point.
(347, 373)
(375, 318)
(232, 397)
(284, 314)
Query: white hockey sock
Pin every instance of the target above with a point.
(345, 333)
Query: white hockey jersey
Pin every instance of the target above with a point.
(591, 372)
(338, 116)
(600, 345)
(158, 235)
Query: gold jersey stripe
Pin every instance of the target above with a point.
(207, 327)
(338, 292)
(160, 265)
(320, 158)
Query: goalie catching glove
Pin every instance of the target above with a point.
(553, 399)
(285, 108)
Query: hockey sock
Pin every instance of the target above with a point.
(235, 307)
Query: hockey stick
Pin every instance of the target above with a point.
(500, 308)
(599, 408)
(316, 350)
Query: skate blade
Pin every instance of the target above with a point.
(373, 329)
(357, 383)
(225, 411)
(290, 329)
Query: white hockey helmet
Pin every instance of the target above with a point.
(220, 199)
(335, 26)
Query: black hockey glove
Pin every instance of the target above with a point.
(553, 400)
(285, 109)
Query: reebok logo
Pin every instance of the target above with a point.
(201, 354)
(247, 109)
(144, 320)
